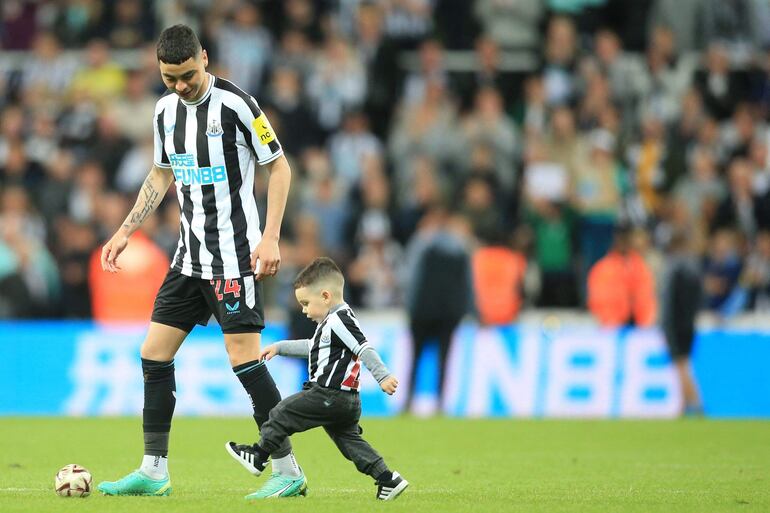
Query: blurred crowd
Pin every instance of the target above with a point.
(564, 182)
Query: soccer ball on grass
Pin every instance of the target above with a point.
(73, 481)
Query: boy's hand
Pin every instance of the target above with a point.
(389, 385)
(268, 352)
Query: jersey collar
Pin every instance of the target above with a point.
(337, 308)
(205, 96)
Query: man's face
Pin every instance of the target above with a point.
(188, 78)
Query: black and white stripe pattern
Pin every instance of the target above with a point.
(334, 350)
(212, 146)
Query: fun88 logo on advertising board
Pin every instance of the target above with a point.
(187, 172)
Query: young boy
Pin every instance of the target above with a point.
(330, 397)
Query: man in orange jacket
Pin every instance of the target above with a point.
(621, 287)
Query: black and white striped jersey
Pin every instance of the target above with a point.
(335, 348)
(212, 146)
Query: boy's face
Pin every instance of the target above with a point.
(315, 302)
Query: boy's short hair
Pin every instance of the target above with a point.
(177, 44)
(320, 269)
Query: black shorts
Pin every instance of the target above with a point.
(679, 341)
(183, 302)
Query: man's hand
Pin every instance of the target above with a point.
(269, 257)
(112, 250)
(389, 385)
(268, 352)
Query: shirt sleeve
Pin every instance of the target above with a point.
(259, 134)
(160, 158)
(374, 363)
(345, 327)
(298, 348)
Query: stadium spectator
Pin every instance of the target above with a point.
(324, 200)
(102, 79)
(431, 70)
(498, 276)
(531, 111)
(621, 287)
(487, 75)
(426, 129)
(89, 185)
(296, 51)
(701, 190)
(373, 273)
(131, 26)
(133, 166)
(622, 71)
(39, 288)
(127, 296)
(408, 21)
(78, 22)
(756, 274)
(109, 146)
(553, 229)
(19, 25)
(337, 82)
(76, 240)
(479, 207)
(681, 138)
(680, 17)
(302, 16)
(370, 197)
(733, 23)
(52, 196)
(597, 197)
(245, 47)
(646, 160)
(560, 58)
(418, 187)
(290, 112)
(48, 73)
(383, 74)
(722, 269)
(350, 146)
(15, 300)
(667, 76)
(488, 124)
(738, 209)
(720, 87)
(564, 146)
(511, 24)
(132, 108)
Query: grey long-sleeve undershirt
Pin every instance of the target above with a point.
(369, 356)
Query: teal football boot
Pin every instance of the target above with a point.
(280, 485)
(136, 483)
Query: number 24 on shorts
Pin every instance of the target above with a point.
(231, 287)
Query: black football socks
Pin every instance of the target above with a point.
(264, 395)
(159, 402)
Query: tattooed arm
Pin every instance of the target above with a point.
(150, 196)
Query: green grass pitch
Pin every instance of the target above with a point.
(453, 465)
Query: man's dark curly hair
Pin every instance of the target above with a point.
(177, 44)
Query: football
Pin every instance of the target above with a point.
(73, 481)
